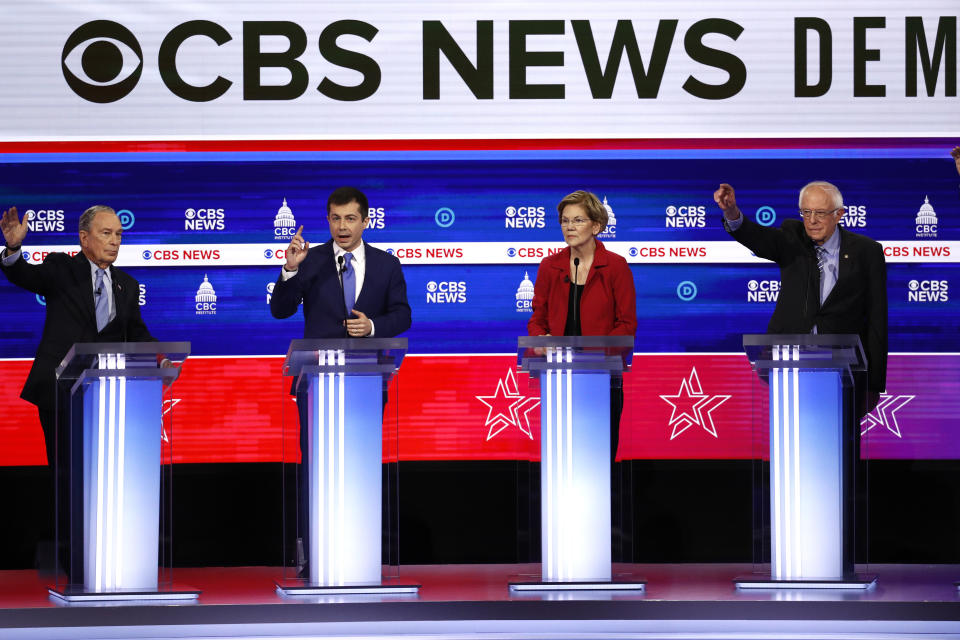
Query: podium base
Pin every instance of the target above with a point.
(631, 585)
(300, 588)
(853, 581)
(74, 594)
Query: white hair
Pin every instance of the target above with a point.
(827, 187)
(86, 218)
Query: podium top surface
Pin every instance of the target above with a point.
(585, 353)
(359, 354)
(86, 355)
(805, 351)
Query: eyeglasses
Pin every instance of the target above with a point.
(577, 222)
(813, 214)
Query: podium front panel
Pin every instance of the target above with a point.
(121, 483)
(339, 497)
(806, 492)
(113, 470)
(576, 375)
(805, 429)
(344, 468)
(575, 476)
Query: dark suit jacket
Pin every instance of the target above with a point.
(609, 303)
(856, 304)
(67, 285)
(383, 297)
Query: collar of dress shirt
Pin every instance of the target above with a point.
(106, 274)
(359, 254)
(832, 244)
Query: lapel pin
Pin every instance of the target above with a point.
(846, 256)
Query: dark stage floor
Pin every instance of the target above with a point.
(470, 601)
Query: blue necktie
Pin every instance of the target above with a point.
(349, 283)
(102, 301)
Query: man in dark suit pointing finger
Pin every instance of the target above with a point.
(348, 288)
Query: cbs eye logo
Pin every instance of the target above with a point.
(102, 61)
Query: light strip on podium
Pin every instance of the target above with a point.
(796, 453)
(121, 470)
(315, 447)
(107, 563)
(777, 524)
(328, 477)
(101, 452)
(788, 524)
(329, 468)
(569, 492)
(549, 498)
(560, 491)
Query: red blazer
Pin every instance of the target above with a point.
(609, 303)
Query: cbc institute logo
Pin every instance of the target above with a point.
(206, 299)
(610, 231)
(926, 221)
(284, 224)
(525, 294)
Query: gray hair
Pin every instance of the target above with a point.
(87, 216)
(826, 186)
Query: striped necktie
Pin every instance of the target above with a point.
(102, 301)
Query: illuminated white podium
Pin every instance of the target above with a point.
(575, 375)
(112, 442)
(341, 387)
(812, 432)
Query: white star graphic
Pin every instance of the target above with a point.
(695, 407)
(167, 406)
(885, 414)
(506, 407)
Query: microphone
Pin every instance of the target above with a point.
(343, 267)
(576, 300)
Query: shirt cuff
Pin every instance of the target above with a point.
(11, 258)
(732, 225)
(286, 275)
(373, 329)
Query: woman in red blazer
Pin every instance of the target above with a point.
(604, 302)
(587, 290)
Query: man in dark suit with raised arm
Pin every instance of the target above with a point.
(348, 288)
(831, 280)
(87, 299)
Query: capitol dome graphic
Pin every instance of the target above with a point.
(610, 231)
(284, 222)
(926, 220)
(525, 293)
(206, 293)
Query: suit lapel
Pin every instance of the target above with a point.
(119, 294)
(369, 271)
(84, 288)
